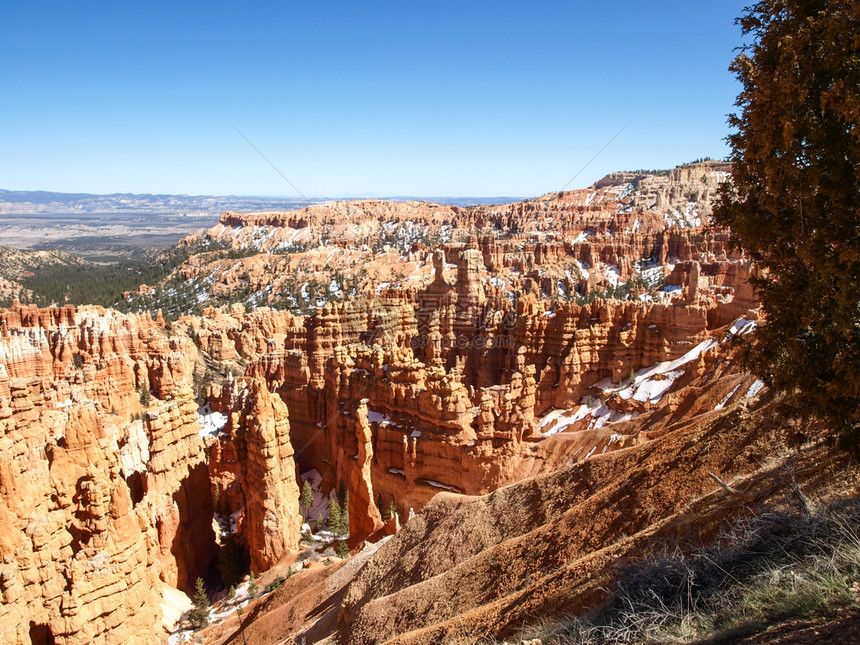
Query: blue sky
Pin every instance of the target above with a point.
(357, 98)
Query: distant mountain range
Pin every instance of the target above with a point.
(40, 201)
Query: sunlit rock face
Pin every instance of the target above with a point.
(457, 377)
(103, 489)
(272, 519)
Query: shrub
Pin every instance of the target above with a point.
(274, 584)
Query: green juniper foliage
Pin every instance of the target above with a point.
(794, 202)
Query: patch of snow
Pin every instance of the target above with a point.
(211, 423)
(174, 603)
(740, 327)
(612, 275)
(436, 484)
(670, 366)
(549, 418)
(612, 439)
(652, 274)
(649, 389)
(559, 420)
(374, 416)
(721, 404)
(320, 504)
(755, 388)
(605, 414)
(231, 522)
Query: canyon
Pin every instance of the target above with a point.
(509, 396)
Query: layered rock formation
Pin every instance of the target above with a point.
(457, 377)
(177, 489)
(364, 516)
(78, 557)
(645, 202)
(272, 519)
(97, 505)
(625, 227)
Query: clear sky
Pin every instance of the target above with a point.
(357, 98)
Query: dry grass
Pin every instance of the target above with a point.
(768, 568)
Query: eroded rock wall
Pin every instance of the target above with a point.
(456, 374)
(272, 519)
(103, 485)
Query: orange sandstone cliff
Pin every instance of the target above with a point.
(103, 499)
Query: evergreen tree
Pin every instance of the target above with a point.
(794, 200)
(344, 514)
(307, 499)
(342, 549)
(199, 615)
(232, 561)
(334, 517)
